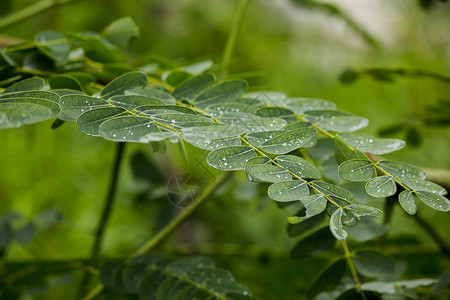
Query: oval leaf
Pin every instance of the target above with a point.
(89, 121)
(127, 129)
(381, 187)
(299, 166)
(434, 201)
(224, 92)
(357, 170)
(269, 173)
(230, 158)
(125, 82)
(286, 191)
(407, 202)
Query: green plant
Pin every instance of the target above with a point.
(296, 147)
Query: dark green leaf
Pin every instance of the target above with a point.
(328, 279)
(372, 263)
(54, 45)
(90, 121)
(315, 243)
(125, 82)
(224, 92)
(30, 84)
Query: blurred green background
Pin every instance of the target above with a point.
(282, 46)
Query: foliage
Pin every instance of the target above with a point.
(297, 149)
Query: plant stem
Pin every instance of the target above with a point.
(106, 213)
(29, 11)
(351, 265)
(443, 247)
(235, 29)
(174, 224)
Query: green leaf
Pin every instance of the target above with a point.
(315, 243)
(191, 88)
(362, 211)
(398, 169)
(255, 125)
(368, 143)
(217, 110)
(65, 82)
(296, 229)
(218, 143)
(121, 31)
(269, 173)
(314, 205)
(205, 134)
(335, 191)
(267, 97)
(13, 115)
(94, 47)
(286, 191)
(366, 230)
(74, 105)
(30, 84)
(423, 185)
(130, 102)
(198, 67)
(188, 278)
(128, 129)
(224, 92)
(152, 93)
(125, 82)
(301, 105)
(299, 166)
(328, 279)
(372, 263)
(288, 141)
(357, 170)
(434, 201)
(90, 121)
(406, 200)
(54, 45)
(175, 77)
(258, 160)
(392, 287)
(159, 136)
(43, 98)
(230, 158)
(277, 112)
(344, 153)
(177, 120)
(344, 123)
(318, 116)
(336, 225)
(162, 109)
(381, 187)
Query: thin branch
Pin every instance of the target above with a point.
(351, 265)
(235, 29)
(104, 218)
(173, 225)
(29, 11)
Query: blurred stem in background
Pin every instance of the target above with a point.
(234, 33)
(104, 218)
(29, 11)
